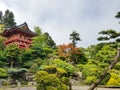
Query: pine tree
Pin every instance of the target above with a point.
(74, 36)
(8, 19)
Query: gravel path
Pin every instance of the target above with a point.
(86, 87)
(73, 87)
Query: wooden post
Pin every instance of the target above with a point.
(70, 84)
(19, 85)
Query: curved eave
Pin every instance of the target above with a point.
(7, 33)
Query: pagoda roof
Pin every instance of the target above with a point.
(23, 28)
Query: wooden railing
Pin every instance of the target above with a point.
(10, 40)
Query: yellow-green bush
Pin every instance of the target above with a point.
(61, 72)
(46, 81)
(3, 73)
(90, 80)
(114, 80)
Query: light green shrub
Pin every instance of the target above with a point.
(64, 65)
(3, 73)
(80, 66)
(90, 80)
(91, 70)
(47, 81)
(61, 72)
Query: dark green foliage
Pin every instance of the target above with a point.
(43, 39)
(43, 44)
(109, 35)
(79, 58)
(49, 40)
(2, 47)
(38, 52)
(117, 67)
(105, 80)
(11, 54)
(8, 19)
(26, 58)
(34, 65)
(17, 74)
(2, 59)
(118, 40)
(103, 65)
(50, 69)
(103, 38)
(74, 36)
(118, 15)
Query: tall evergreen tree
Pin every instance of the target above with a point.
(8, 19)
(50, 42)
(74, 36)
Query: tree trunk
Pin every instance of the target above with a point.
(112, 65)
(12, 62)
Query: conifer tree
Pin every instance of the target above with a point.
(74, 36)
(8, 19)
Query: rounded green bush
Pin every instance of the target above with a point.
(3, 73)
(90, 80)
(46, 81)
(50, 69)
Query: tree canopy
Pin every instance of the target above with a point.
(8, 19)
(74, 36)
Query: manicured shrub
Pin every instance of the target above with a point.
(3, 73)
(61, 72)
(65, 80)
(91, 70)
(46, 81)
(5, 83)
(114, 79)
(50, 69)
(103, 65)
(112, 82)
(80, 66)
(64, 65)
(90, 80)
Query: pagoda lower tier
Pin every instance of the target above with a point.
(20, 42)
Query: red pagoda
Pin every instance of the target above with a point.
(20, 35)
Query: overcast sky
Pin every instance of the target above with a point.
(60, 17)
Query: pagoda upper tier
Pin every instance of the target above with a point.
(20, 35)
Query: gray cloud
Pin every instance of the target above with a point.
(60, 17)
